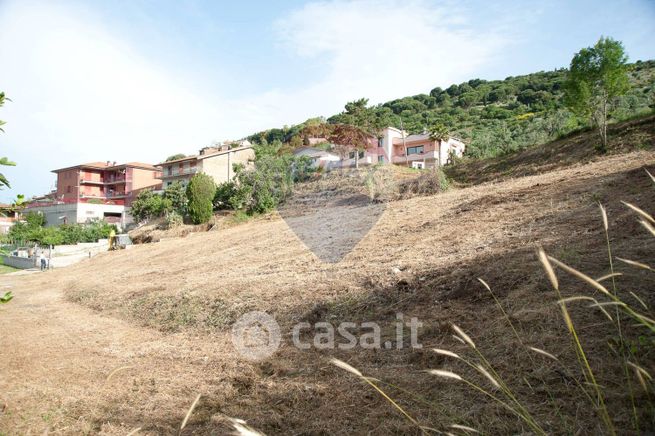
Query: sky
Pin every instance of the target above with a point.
(139, 80)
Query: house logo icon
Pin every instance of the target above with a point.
(256, 335)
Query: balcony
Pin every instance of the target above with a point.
(428, 155)
(116, 195)
(91, 182)
(116, 180)
(184, 172)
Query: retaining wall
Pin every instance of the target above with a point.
(17, 262)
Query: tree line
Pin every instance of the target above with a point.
(501, 116)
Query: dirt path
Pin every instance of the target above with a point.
(56, 356)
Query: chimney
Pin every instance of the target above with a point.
(107, 163)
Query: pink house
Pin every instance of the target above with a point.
(396, 147)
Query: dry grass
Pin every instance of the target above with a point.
(423, 257)
(571, 150)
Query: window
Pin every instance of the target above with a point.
(351, 155)
(380, 142)
(68, 189)
(170, 170)
(381, 159)
(361, 154)
(418, 165)
(415, 150)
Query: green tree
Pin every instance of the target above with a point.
(35, 219)
(597, 76)
(200, 191)
(360, 126)
(149, 205)
(264, 187)
(224, 192)
(3, 160)
(175, 157)
(296, 141)
(176, 194)
(440, 133)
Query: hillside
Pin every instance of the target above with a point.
(496, 117)
(128, 339)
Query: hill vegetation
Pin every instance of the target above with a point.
(493, 117)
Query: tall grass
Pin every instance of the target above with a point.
(629, 310)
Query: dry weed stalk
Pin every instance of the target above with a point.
(371, 381)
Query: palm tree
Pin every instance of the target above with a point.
(440, 133)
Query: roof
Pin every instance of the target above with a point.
(204, 156)
(106, 166)
(420, 137)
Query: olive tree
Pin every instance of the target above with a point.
(596, 78)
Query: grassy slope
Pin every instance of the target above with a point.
(200, 284)
(4, 269)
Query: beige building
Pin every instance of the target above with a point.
(217, 162)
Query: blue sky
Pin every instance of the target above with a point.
(137, 80)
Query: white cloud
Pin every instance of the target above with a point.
(82, 93)
(385, 49)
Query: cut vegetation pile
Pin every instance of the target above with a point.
(161, 313)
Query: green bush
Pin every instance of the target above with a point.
(35, 219)
(264, 187)
(224, 192)
(303, 169)
(200, 192)
(32, 231)
(149, 205)
(176, 194)
(173, 219)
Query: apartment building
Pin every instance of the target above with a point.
(394, 146)
(416, 151)
(217, 162)
(96, 190)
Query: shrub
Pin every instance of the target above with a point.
(149, 205)
(173, 219)
(264, 187)
(429, 182)
(35, 219)
(200, 192)
(303, 169)
(71, 233)
(224, 192)
(176, 194)
(63, 234)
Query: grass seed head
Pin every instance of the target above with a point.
(543, 258)
(445, 353)
(445, 374)
(488, 376)
(343, 365)
(463, 336)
